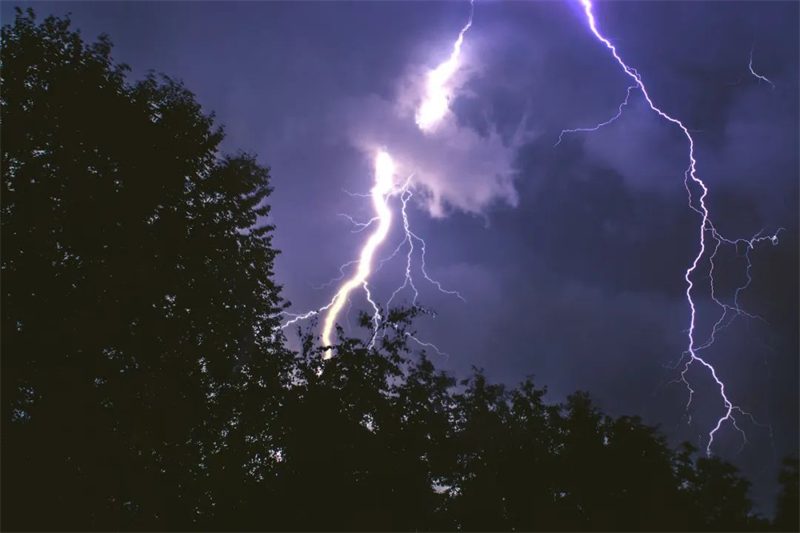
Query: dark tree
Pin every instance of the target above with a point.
(787, 517)
(139, 310)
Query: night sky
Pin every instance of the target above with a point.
(571, 258)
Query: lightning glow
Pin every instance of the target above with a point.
(384, 183)
(706, 230)
(436, 101)
(431, 111)
(383, 190)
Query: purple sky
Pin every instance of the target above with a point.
(571, 258)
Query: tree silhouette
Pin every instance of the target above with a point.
(139, 308)
(787, 517)
(146, 383)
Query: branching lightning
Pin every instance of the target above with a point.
(410, 237)
(433, 108)
(383, 190)
(707, 231)
(602, 124)
(437, 95)
(430, 113)
(730, 312)
(753, 72)
(360, 225)
(428, 345)
(384, 185)
(338, 278)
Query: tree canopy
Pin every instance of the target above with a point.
(147, 385)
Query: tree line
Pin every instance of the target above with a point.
(147, 385)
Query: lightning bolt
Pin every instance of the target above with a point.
(333, 280)
(602, 124)
(433, 108)
(428, 345)
(437, 96)
(360, 225)
(382, 191)
(753, 72)
(384, 185)
(734, 310)
(410, 237)
(706, 228)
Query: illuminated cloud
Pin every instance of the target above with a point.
(454, 167)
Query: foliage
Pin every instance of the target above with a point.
(139, 308)
(787, 517)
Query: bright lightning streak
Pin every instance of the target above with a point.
(431, 111)
(381, 192)
(690, 175)
(384, 176)
(437, 95)
(753, 72)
